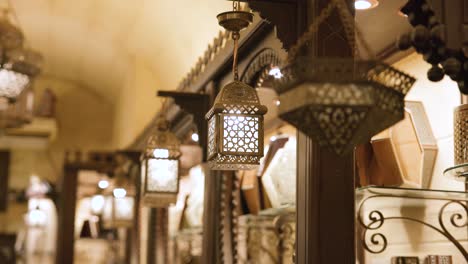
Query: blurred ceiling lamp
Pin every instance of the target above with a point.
(340, 102)
(195, 137)
(36, 218)
(97, 204)
(18, 64)
(103, 184)
(160, 167)
(440, 34)
(119, 192)
(235, 122)
(365, 4)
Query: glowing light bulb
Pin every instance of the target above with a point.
(103, 184)
(119, 192)
(195, 137)
(275, 72)
(161, 153)
(365, 4)
(97, 204)
(37, 218)
(277, 102)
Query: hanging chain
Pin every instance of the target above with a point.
(235, 38)
(348, 24)
(235, 5)
(235, 72)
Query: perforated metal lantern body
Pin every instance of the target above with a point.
(160, 166)
(235, 128)
(341, 103)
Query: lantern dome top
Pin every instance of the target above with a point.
(237, 98)
(10, 36)
(163, 138)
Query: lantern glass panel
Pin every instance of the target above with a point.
(123, 208)
(162, 175)
(240, 134)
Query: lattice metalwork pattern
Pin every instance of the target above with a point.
(233, 162)
(460, 134)
(240, 134)
(212, 136)
(235, 128)
(163, 139)
(341, 103)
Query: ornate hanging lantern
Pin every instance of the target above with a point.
(119, 206)
(118, 211)
(18, 65)
(340, 102)
(18, 113)
(160, 167)
(235, 122)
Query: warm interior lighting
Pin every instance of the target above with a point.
(103, 184)
(365, 4)
(119, 192)
(275, 72)
(97, 204)
(160, 167)
(161, 153)
(195, 137)
(12, 83)
(36, 217)
(277, 102)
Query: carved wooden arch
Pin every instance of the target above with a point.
(263, 59)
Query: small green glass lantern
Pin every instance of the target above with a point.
(160, 167)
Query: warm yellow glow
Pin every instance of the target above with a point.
(119, 192)
(162, 175)
(276, 73)
(97, 204)
(161, 153)
(103, 184)
(36, 218)
(365, 4)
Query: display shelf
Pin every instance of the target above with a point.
(372, 214)
(458, 172)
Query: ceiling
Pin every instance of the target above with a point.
(96, 42)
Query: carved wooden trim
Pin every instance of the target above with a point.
(265, 58)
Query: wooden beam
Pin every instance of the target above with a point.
(4, 179)
(197, 105)
(66, 216)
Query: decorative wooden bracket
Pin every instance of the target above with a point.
(289, 17)
(196, 104)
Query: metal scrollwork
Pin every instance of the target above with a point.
(377, 242)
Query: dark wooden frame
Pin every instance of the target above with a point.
(66, 205)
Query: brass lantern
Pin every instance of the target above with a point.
(340, 102)
(235, 122)
(118, 211)
(160, 167)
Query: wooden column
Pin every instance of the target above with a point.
(4, 175)
(325, 181)
(212, 251)
(158, 236)
(66, 216)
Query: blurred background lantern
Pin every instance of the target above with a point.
(160, 167)
(36, 218)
